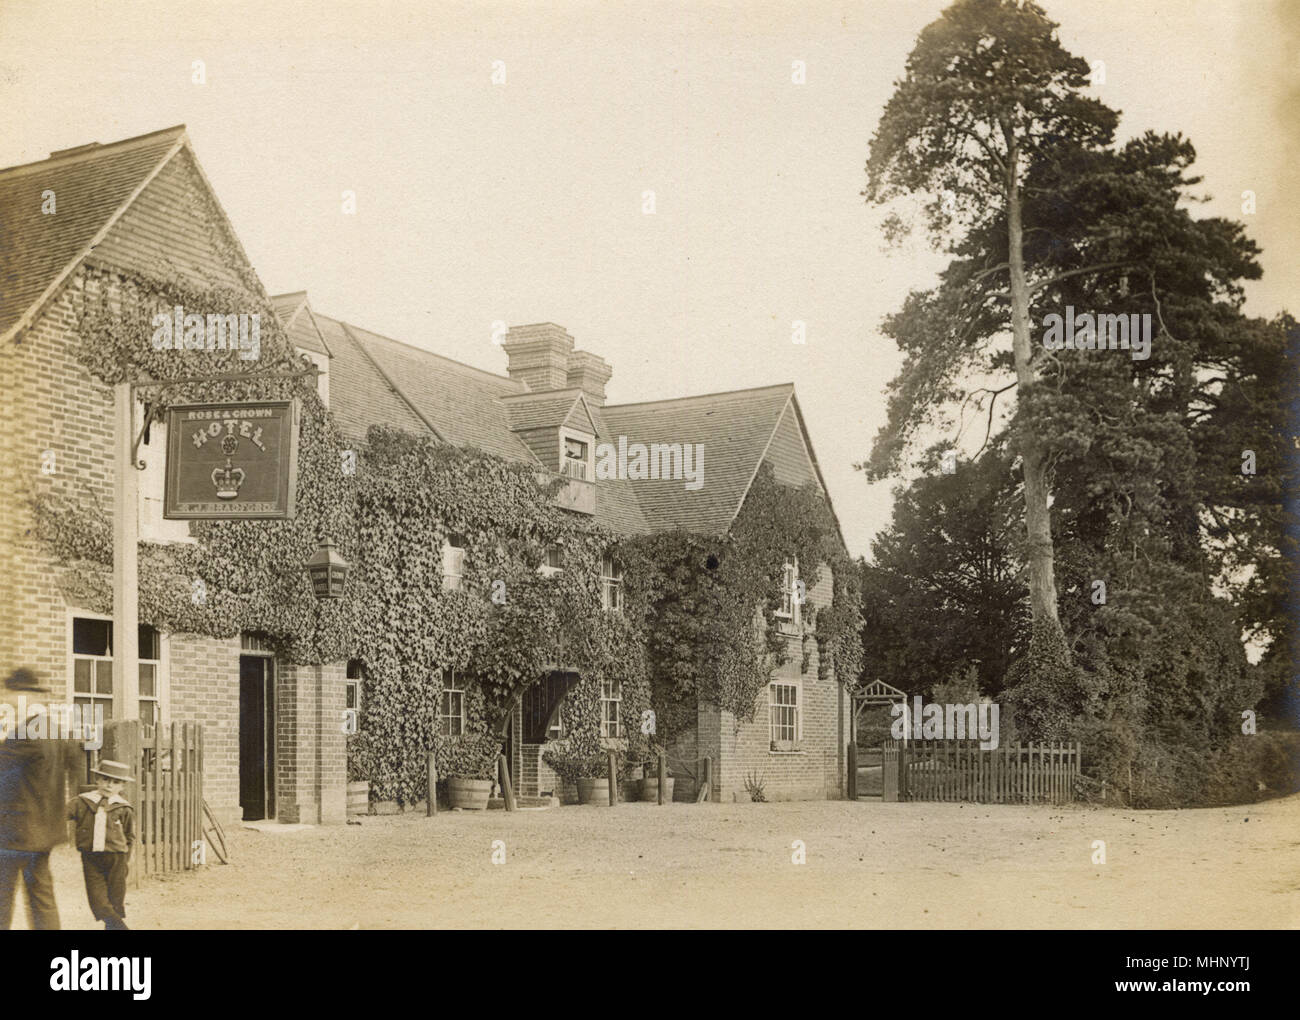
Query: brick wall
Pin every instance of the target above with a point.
(815, 769)
(310, 747)
(204, 687)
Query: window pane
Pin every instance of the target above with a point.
(104, 676)
(148, 680)
(148, 712)
(81, 670)
(351, 699)
(148, 642)
(91, 637)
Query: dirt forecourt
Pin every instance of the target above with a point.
(869, 865)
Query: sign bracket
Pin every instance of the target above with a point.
(146, 383)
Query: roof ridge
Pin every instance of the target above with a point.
(420, 350)
(80, 154)
(699, 396)
(553, 394)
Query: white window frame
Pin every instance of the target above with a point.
(589, 442)
(453, 563)
(611, 695)
(353, 684)
(453, 693)
(611, 584)
(790, 609)
(774, 709)
(162, 671)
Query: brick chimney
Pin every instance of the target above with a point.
(539, 356)
(589, 373)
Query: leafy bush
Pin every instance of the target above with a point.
(467, 757)
(572, 765)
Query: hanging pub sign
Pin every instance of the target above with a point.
(231, 461)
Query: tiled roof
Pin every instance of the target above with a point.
(91, 186)
(732, 428)
(359, 394)
(295, 315)
(460, 402)
(548, 409)
(374, 379)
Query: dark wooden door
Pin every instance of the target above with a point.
(256, 737)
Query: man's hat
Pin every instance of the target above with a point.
(114, 770)
(25, 680)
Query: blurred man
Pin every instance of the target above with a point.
(33, 771)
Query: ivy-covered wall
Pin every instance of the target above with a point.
(698, 612)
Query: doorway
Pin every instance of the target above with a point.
(257, 736)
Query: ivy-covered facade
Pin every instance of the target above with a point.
(523, 581)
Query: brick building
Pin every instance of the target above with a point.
(273, 744)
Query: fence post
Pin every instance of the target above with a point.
(431, 801)
(507, 791)
(853, 770)
(663, 775)
(706, 785)
(613, 779)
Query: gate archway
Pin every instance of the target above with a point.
(874, 766)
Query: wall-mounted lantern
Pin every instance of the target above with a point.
(328, 571)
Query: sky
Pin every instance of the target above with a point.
(524, 201)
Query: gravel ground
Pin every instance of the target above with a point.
(869, 865)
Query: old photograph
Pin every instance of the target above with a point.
(657, 466)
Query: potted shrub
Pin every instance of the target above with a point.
(650, 784)
(472, 766)
(358, 797)
(568, 766)
(593, 780)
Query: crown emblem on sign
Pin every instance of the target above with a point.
(227, 480)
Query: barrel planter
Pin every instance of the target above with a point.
(359, 798)
(567, 792)
(470, 794)
(650, 789)
(593, 791)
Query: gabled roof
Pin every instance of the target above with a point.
(92, 185)
(549, 409)
(733, 431)
(299, 322)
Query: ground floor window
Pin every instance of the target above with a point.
(92, 668)
(451, 713)
(352, 694)
(783, 715)
(611, 707)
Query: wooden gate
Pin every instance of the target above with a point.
(889, 770)
(167, 794)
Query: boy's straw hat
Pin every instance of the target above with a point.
(114, 770)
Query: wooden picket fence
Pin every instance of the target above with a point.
(167, 793)
(960, 770)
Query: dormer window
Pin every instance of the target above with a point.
(453, 562)
(573, 464)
